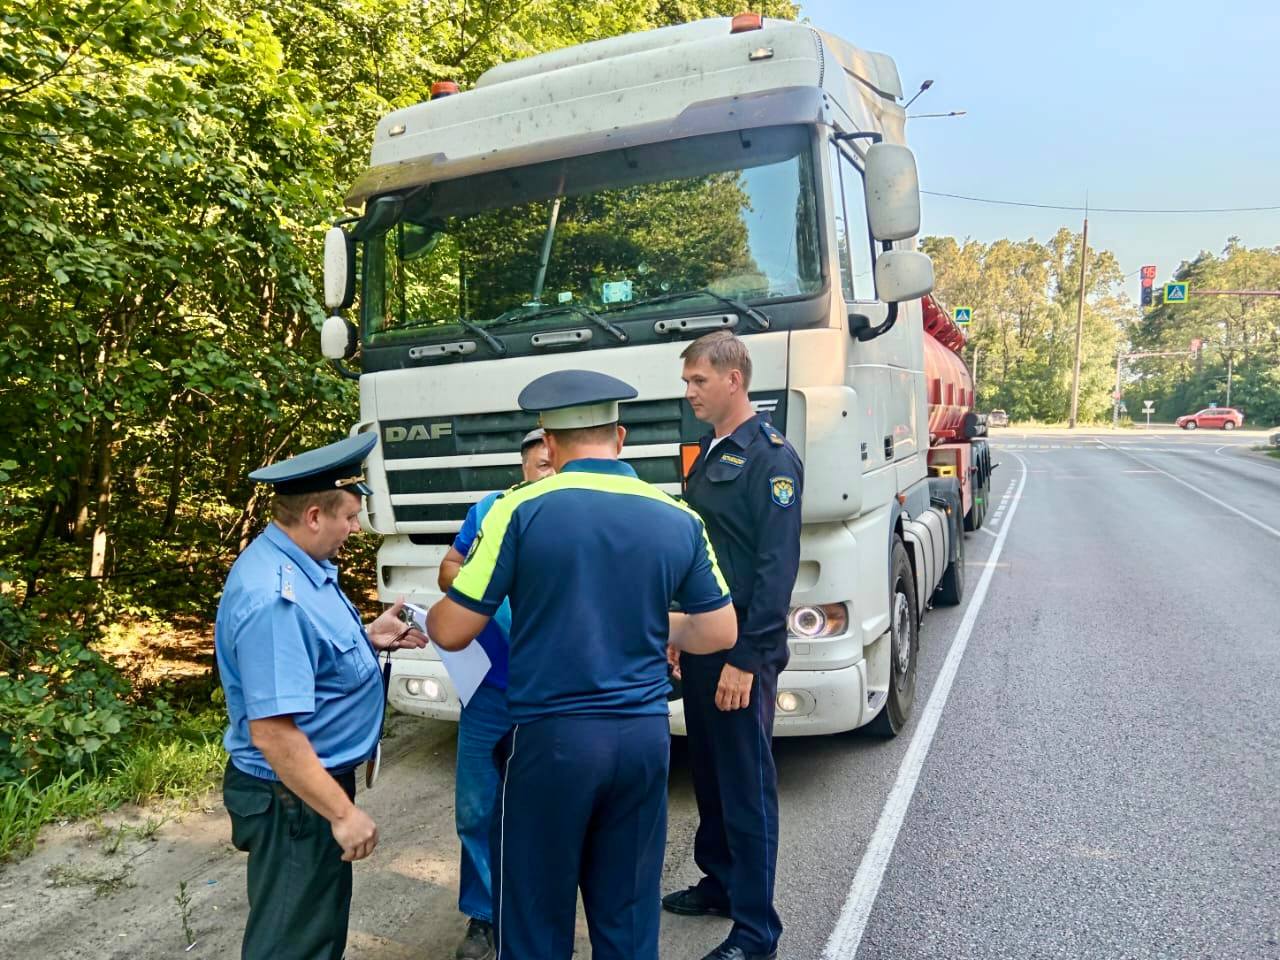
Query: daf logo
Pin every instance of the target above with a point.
(765, 406)
(419, 431)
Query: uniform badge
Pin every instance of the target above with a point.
(475, 545)
(732, 459)
(782, 490)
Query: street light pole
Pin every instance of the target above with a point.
(1075, 376)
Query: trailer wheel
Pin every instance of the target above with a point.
(951, 587)
(904, 645)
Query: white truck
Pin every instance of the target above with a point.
(598, 207)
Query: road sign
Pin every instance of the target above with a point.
(964, 315)
(1177, 292)
(1148, 406)
(1116, 395)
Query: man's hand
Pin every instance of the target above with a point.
(389, 632)
(673, 660)
(356, 833)
(734, 689)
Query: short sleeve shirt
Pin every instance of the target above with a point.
(493, 638)
(592, 560)
(289, 643)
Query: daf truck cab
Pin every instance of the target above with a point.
(600, 206)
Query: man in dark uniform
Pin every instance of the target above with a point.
(591, 560)
(305, 703)
(746, 484)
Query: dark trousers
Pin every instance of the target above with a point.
(736, 786)
(299, 887)
(583, 804)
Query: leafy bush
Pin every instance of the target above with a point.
(63, 707)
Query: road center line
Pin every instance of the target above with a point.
(1208, 496)
(847, 935)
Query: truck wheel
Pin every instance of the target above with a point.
(904, 644)
(951, 587)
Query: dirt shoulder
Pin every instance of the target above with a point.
(108, 890)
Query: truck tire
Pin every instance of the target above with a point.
(951, 587)
(904, 646)
(981, 488)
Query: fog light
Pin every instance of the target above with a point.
(413, 686)
(431, 689)
(788, 702)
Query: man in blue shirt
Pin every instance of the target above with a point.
(305, 703)
(484, 722)
(591, 560)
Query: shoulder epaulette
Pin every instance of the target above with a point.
(513, 488)
(772, 433)
(286, 583)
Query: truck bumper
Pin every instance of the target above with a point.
(810, 702)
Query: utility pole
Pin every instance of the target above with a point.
(1075, 376)
(1229, 356)
(1115, 397)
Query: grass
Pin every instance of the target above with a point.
(103, 882)
(179, 769)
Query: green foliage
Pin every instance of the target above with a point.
(63, 707)
(1241, 331)
(1024, 295)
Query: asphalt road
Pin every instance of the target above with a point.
(1105, 776)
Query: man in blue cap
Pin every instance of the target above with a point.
(305, 701)
(591, 559)
(482, 725)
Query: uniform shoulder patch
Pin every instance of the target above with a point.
(782, 490)
(772, 433)
(286, 583)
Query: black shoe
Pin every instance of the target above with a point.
(731, 951)
(477, 944)
(693, 902)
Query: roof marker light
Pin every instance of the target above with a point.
(746, 21)
(443, 88)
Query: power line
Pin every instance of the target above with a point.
(1091, 209)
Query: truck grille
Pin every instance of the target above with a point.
(484, 437)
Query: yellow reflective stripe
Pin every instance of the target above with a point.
(477, 572)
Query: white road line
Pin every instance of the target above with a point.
(1208, 496)
(847, 935)
(987, 530)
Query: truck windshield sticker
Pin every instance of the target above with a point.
(615, 291)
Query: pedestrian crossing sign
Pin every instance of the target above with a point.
(1177, 292)
(964, 315)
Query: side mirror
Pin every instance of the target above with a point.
(339, 277)
(337, 338)
(893, 192)
(903, 275)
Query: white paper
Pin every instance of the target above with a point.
(467, 667)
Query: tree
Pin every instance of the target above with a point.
(1024, 296)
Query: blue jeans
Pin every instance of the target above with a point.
(483, 723)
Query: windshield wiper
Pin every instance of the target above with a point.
(760, 319)
(490, 341)
(529, 311)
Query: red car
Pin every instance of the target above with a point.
(1228, 418)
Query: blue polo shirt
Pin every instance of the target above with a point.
(289, 643)
(493, 638)
(591, 559)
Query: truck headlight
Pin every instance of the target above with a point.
(822, 620)
(427, 688)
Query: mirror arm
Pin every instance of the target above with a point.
(343, 371)
(872, 135)
(860, 327)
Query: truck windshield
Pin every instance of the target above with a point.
(733, 214)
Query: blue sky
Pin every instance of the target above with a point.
(1139, 103)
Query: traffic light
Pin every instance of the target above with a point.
(1148, 278)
